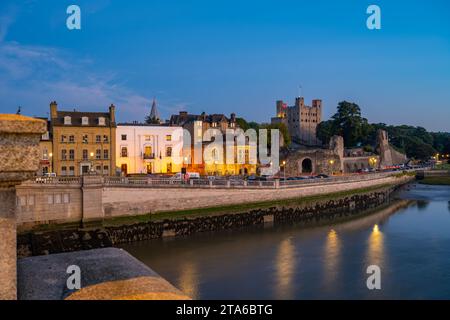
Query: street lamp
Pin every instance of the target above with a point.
(284, 170)
(331, 164)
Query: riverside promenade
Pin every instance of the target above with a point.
(95, 198)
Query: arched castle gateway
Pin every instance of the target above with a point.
(337, 159)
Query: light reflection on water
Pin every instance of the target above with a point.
(409, 240)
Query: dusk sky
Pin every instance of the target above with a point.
(228, 56)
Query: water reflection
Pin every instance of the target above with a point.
(422, 204)
(188, 280)
(375, 248)
(331, 258)
(285, 266)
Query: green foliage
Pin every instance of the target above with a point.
(416, 142)
(244, 125)
(151, 120)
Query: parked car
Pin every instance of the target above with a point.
(47, 177)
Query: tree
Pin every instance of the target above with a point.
(325, 130)
(348, 123)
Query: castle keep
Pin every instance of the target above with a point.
(301, 120)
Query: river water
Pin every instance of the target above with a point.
(409, 241)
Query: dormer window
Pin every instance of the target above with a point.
(101, 121)
(84, 121)
(67, 120)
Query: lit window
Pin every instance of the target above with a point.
(169, 137)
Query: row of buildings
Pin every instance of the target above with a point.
(79, 143)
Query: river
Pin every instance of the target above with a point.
(409, 241)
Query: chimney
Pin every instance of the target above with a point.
(53, 110)
(112, 113)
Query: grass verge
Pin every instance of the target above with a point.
(441, 180)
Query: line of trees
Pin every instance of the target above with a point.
(348, 122)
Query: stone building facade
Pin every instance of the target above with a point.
(45, 151)
(149, 149)
(300, 119)
(207, 155)
(83, 142)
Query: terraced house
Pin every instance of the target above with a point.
(83, 142)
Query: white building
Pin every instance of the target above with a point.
(145, 149)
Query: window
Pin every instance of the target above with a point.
(105, 170)
(169, 137)
(50, 199)
(101, 121)
(72, 154)
(169, 167)
(30, 200)
(63, 154)
(105, 154)
(85, 138)
(214, 124)
(98, 139)
(98, 169)
(21, 200)
(232, 124)
(148, 138)
(71, 139)
(67, 120)
(66, 198)
(168, 151)
(124, 137)
(63, 171)
(148, 152)
(63, 138)
(84, 121)
(124, 152)
(71, 171)
(98, 154)
(105, 139)
(57, 198)
(45, 154)
(85, 154)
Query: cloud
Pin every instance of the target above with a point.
(32, 76)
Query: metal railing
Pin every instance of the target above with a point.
(218, 182)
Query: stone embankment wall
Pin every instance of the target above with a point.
(315, 212)
(123, 202)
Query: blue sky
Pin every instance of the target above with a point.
(228, 56)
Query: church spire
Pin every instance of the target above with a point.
(154, 114)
